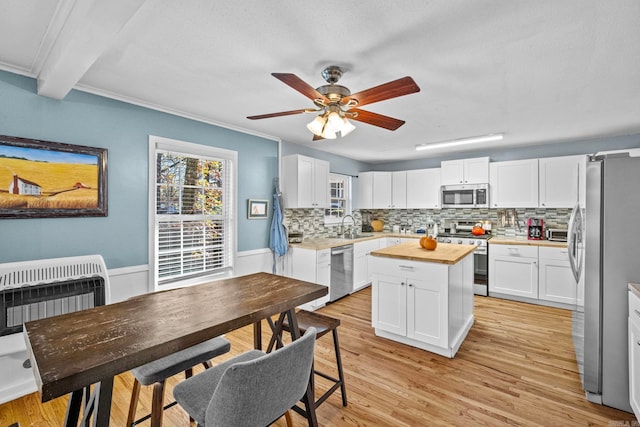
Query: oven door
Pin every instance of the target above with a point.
(480, 274)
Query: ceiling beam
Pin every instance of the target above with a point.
(88, 31)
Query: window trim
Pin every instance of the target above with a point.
(332, 221)
(159, 143)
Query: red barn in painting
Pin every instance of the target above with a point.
(23, 186)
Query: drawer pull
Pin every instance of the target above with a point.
(406, 267)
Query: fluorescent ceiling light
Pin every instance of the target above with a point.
(463, 141)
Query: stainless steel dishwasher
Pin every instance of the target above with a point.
(341, 272)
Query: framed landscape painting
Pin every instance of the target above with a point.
(44, 179)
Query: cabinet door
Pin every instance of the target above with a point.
(389, 304)
(382, 188)
(559, 179)
(423, 189)
(514, 184)
(452, 172)
(634, 362)
(513, 275)
(360, 270)
(556, 281)
(427, 310)
(399, 190)
(320, 190)
(476, 170)
(361, 274)
(305, 182)
(365, 190)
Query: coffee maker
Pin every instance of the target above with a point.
(535, 229)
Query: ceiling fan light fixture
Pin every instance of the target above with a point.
(328, 133)
(334, 122)
(317, 125)
(347, 127)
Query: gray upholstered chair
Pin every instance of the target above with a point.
(158, 371)
(252, 389)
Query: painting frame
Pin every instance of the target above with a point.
(59, 180)
(257, 209)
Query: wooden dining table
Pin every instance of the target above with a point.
(81, 352)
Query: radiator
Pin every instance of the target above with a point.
(32, 290)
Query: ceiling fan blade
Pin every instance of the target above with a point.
(300, 85)
(393, 89)
(376, 119)
(282, 113)
(316, 137)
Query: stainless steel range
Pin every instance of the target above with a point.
(459, 232)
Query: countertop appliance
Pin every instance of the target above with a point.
(535, 229)
(459, 233)
(556, 234)
(465, 196)
(341, 272)
(611, 262)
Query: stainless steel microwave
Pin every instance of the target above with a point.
(465, 196)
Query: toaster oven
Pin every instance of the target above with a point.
(556, 234)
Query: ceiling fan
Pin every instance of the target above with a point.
(336, 104)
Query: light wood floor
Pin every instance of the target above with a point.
(516, 368)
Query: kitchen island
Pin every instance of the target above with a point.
(423, 298)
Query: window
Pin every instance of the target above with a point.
(340, 198)
(192, 193)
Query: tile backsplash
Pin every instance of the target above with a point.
(311, 221)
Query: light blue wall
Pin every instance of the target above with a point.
(85, 119)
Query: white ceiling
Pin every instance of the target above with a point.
(543, 71)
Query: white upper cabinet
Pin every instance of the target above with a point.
(562, 181)
(465, 171)
(514, 184)
(365, 190)
(382, 190)
(305, 182)
(423, 189)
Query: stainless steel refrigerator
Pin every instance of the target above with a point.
(611, 261)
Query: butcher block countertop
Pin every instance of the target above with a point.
(321, 243)
(504, 240)
(445, 253)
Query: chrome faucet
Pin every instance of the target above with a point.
(342, 224)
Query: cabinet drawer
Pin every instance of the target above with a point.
(323, 256)
(634, 308)
(405, 268)
(513, 250)
(560, 254)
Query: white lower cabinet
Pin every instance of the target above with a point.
(422, 304)
(361, 250)
(538, 274)
(556, 282)
(411, 307)
(513, 270)
(634, 353)
(313, 266)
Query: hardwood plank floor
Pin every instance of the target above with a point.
(517, 368)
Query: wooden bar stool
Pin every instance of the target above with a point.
(323, 324)
(158, 371)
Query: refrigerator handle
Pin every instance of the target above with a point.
(572, 242)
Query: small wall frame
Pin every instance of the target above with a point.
(257, 209)
(45, 179)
